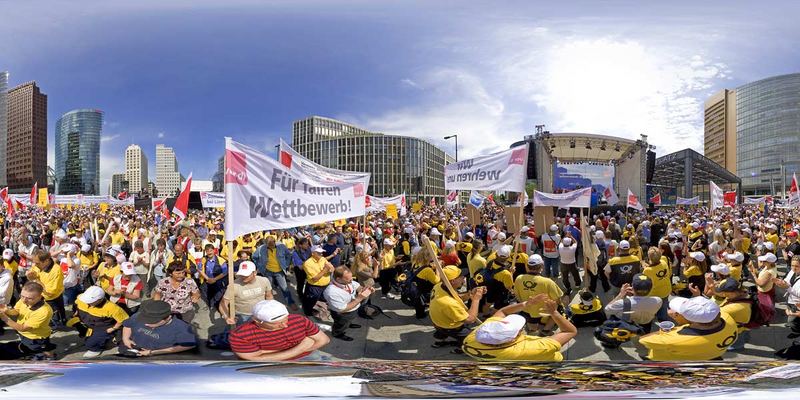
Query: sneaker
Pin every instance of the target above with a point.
(92, 354)
(394, 296)
(324, 327)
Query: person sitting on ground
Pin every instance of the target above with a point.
(248, 289)
(154, 331)
(586, 309)
(449, 317)
(178, 291)
(100, 320)
(643, 307)
(32, 324)
(275, 335)
(344, 297)
(531, 284)
(738, 304)
(703, 333)
(502, 337)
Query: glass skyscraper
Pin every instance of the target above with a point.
(767, 132)
(78, 152)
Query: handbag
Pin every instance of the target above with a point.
(615, 331)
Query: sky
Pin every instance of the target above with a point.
(186, 73)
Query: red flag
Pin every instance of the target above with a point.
(633, 201)
(3, 194)
(794, 193)
(491, 199)
(161, 204)
(367, 201)
(20, 206)
(10, 206)
(729, 199)
(433, 202)
(34, 192)
(122, 195)
(656, 200)
(181, 207)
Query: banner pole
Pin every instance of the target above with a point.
(232, 302)
(426, 245)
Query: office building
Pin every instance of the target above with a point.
(397, 163)
(219, 185)
(118, 184)
(151, 189)
(768, 133)
(135, 169)
(168, 179)
(78, 152)
(3, 130)
(26, 147)
(720, 129)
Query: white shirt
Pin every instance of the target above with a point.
(793, 292)
(643, 308)
(141, 262)
(339, 296)
(527, 243)
(567, 253)
(6, 286)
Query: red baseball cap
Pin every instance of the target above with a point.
(792, 233)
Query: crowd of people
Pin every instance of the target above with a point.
(685, 284)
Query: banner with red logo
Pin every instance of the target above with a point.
(261, 193)
(212, 199)
(506, 170)
(378, 204)
(633, 201)
(656, 200)
(293, 160)
(729, 199)
(794, 193)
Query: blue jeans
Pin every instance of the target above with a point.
(279, 279)
(550, 267)
(70, 294)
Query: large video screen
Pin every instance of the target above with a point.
(569, 177)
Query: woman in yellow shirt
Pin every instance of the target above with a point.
(657, 269)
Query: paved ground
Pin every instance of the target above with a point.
(398, 335)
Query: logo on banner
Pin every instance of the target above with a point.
(358, 189)
(517, 157)
(235, 167)
(367, 201)
(452, 196)
(286, 159)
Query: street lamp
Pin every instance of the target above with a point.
(451, 137)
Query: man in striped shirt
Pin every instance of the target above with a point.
(275, 335)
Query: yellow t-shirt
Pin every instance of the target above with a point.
(740, 312)
(288, 242)
(774, 239)
(272, 260)
(387, 260)
(312, 268)
(687, 344)
(528, 285)
(53, 282)
(38, 319)
(692, 270)
(661, 277)
(523, 348)
(736, 271)
(446, 311)
(106, 275)
(429, 274)
(580, 308)
(107, 310)
(12, 266)
(87, 260)
(505, 277)
(117, 238)
(475, 264)
(745, 248)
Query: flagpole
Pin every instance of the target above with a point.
(232, 302)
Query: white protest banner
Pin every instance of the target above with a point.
(262, 194)
(633, 201)
(506, 170)
(757, 200)
(24, 199)
(212, 199)
(610, 195)
(377, 204)
(692, 201)
(581, 198)
(127, 201)
(296, 162)
(717, 197)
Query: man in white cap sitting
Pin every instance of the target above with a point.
(502, 337)
(99, 318)
(248, 290)
(703, 332)
(275, 335)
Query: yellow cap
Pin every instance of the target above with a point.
(464, 246)
(451, 272)
(520, 258)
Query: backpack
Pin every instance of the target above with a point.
(614, 331)
(602, 259)
(409, 291)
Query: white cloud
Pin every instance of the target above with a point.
(160, 135)
(409, 82)
(108, 138)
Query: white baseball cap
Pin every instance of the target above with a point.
(435, 232)
(470, 235)
(86, 248)
(499, 332)
(697, 309)
(504, 251)
(92, 294)
(318, 249)
(723, 269)
(60, 234)
(535, 259)
(554, 227)
(567, 241)
(769, 257)
(388, 242)
(269, 310)
(524, 229)
(246, 268)
(8, 254)
(769, 246)
(572, 221)
(624, 245)
(599, 235)
(501, 236)
(698, 256)
(736, 256)
(128, 269)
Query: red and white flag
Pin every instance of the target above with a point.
(656, 200)
(633, 201)
(3, 194)
(122, 195)
(160, 204)
(491, 199)
(433, 202)
(610, 196)
(730, 199)
(794, 193)
(181, 207)
(34, 192)
(9, 205)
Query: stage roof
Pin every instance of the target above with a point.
(589, 147)
(688, 167)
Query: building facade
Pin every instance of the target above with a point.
(26, 146)
(168, 179)
(398, 164)
(768, 133)
(135, 169)
(118, 184)
(3, 129)
(219, 185)
(720, 129)
(78, 152)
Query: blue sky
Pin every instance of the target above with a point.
(186, 73)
